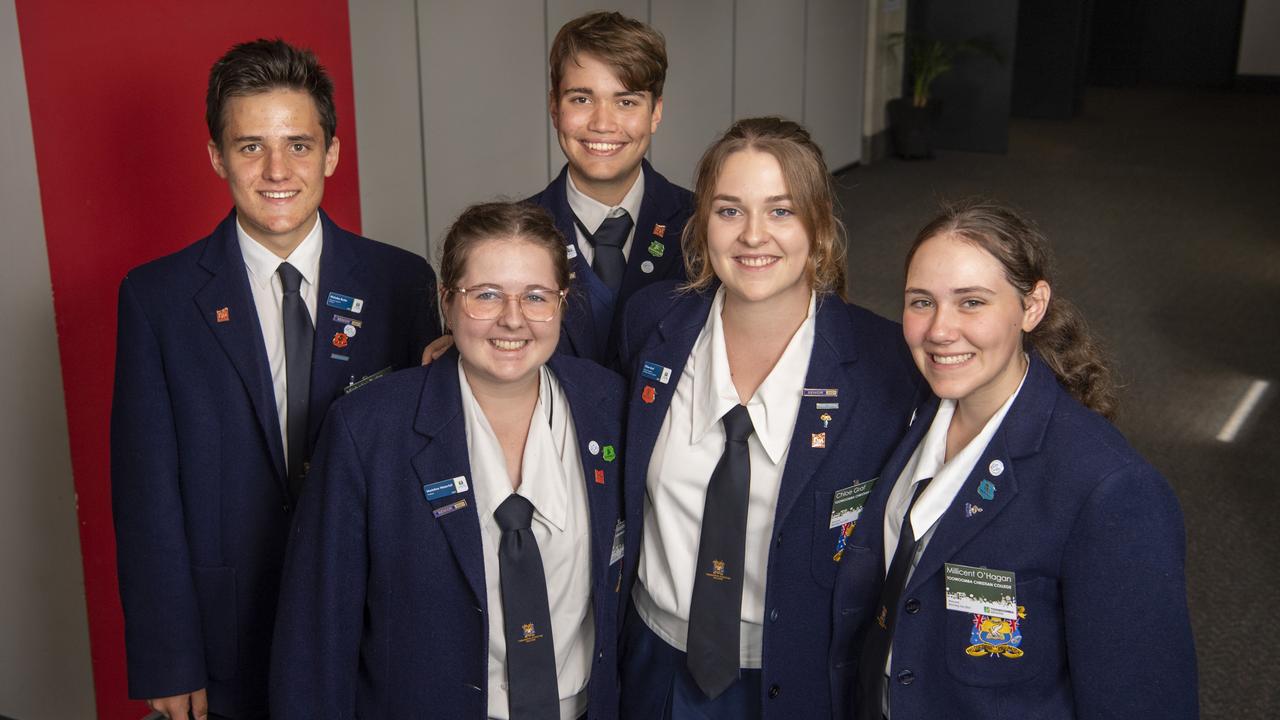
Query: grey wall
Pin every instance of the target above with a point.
(474, 78)
(1259, 53)
(44, 630)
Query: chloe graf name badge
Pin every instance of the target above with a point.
(849, 501)
(981, 591)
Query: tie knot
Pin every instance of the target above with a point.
(612, 232)
(737, 424)
(515, 513)
(290, 278)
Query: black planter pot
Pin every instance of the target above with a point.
(911, 128)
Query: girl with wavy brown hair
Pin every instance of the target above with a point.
(1020, 551)
(760, 400)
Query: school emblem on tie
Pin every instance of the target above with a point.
(717, 571)
(997, 636)
(529, 634)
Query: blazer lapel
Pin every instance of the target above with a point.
(991, 486)
(830, 369)
(869, 532)
(651, 242)
(227, 296)
(578, 328)
(340, 273)
(602, 490)
(441, 422)
(668, 348)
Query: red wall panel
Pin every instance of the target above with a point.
(117, 111)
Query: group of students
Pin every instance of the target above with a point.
(659, 467)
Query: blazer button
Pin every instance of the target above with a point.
(913, 606)
(906, 677)
(285, 508)
(774, 690)
(773, 615)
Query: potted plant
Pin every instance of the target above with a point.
(911, 119)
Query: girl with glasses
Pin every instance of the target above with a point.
(455, 552)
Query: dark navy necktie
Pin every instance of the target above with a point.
(879, 640)
(532, 693)
(609, 263)
(716, 606)
(298, 337)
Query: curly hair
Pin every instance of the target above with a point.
(808, 182)
(1062, 339)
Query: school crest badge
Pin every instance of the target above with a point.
(997, 636)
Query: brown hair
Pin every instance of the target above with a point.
(500, 221)
(637, 52)
(263, 65)
(1062, 338)
(808, 182)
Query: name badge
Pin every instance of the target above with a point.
(654, 371)
(344, 302)
(445, 488)
(848, 503)
(619, 542)
(981, 591)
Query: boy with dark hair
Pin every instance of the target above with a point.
(228, 354)
(622, 220)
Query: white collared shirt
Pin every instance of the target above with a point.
(688, 447)
(929, 460)
(553, 480)
(268, 296)
(592, 213)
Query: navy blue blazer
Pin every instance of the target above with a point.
(663, 213)
(383, 610)
(1095, 537)
(862, 358)
(198, 482)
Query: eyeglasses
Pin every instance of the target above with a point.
(484, 302)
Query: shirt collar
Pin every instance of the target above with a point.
(773, 406)
(262, 263)
(592, 212)
(948, 476)
(543, 478)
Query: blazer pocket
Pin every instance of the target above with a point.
(216, 589)
(985, 651)
(828, 542)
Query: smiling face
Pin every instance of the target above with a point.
(964, 322)
(508, 349)
(274, 160)
(756, 243)
(603, 128)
